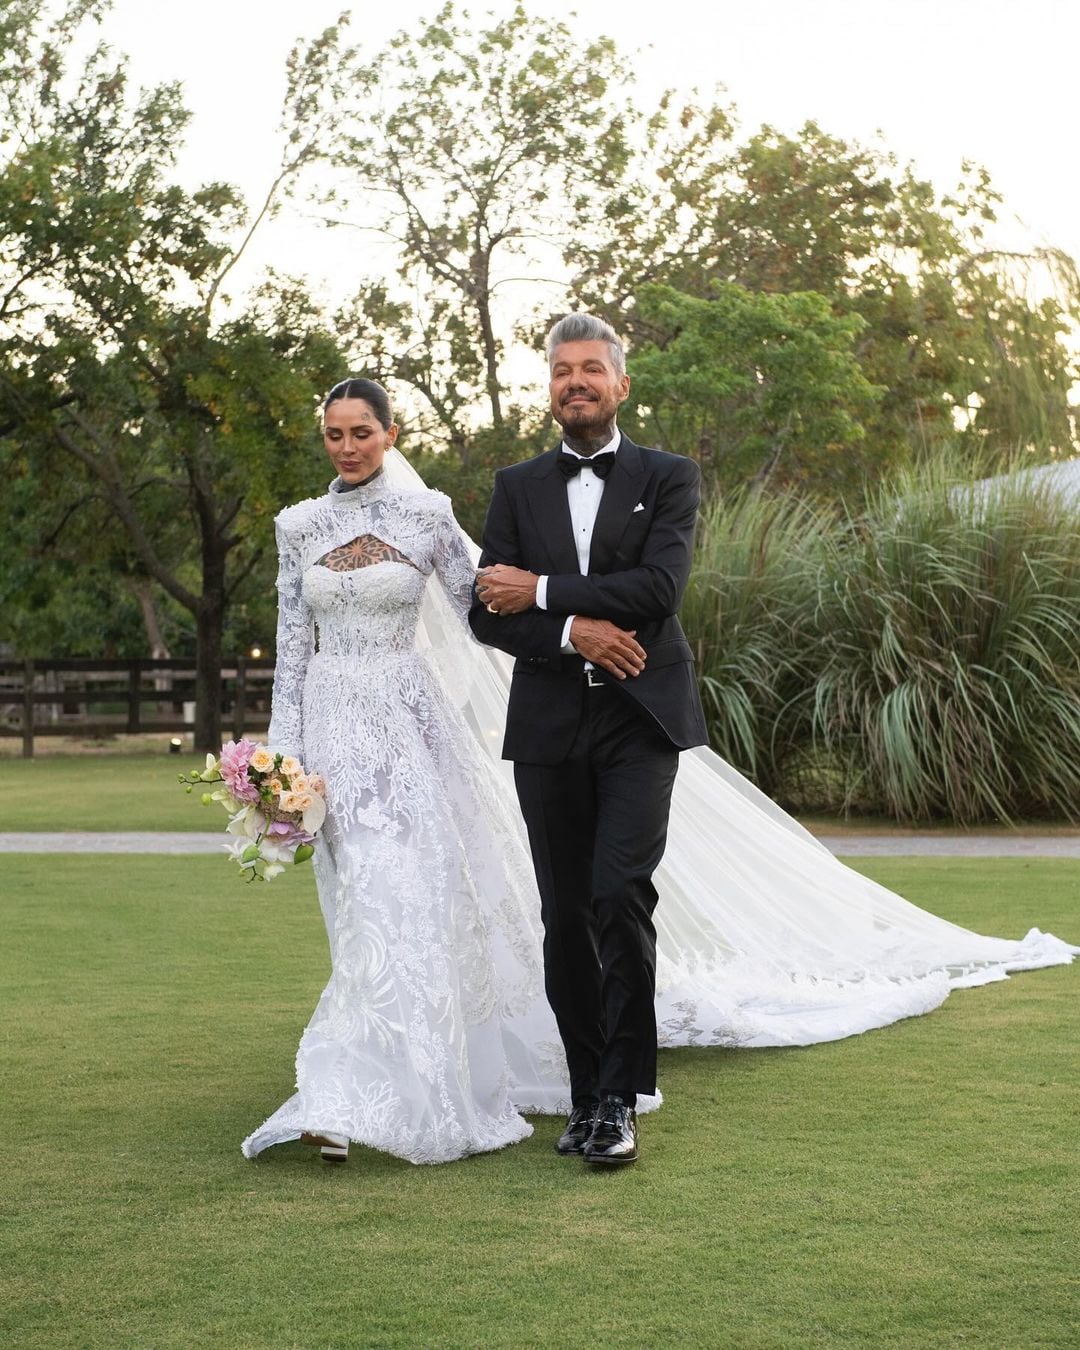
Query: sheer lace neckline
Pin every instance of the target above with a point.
(362, 495)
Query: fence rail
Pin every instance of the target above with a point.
(103, 698)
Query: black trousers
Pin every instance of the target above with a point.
(597, 827)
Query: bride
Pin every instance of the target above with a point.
(433, 1034)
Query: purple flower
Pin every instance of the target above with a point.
(235, 757)
(285, 832)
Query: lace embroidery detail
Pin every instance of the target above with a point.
(364, 551)
(418, 525)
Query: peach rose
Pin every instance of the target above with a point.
(262, 760)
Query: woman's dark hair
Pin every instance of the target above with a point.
(371, 392)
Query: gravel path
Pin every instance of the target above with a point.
(954, 845)
(100, 842)
(848, 845)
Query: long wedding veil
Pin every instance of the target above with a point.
(764, 938)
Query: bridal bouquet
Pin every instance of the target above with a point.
(275, 807)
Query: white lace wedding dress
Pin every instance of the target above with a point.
(434, 1020)
(433, 1033)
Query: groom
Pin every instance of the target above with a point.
(586, 555)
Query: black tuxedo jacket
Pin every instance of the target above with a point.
(639, 564)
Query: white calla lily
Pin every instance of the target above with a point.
(314, 812)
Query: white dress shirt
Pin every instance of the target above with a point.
(583, 493)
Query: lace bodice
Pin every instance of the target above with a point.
(388, 594)
(367, 613)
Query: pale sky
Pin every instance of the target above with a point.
(942, 80)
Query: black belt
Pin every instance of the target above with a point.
(571, 667)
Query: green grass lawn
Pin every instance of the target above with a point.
(98, 792)
(915, 1186)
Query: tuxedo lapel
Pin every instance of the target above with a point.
(622, 492)
(551, 510)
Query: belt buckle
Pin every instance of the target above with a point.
(592, 678)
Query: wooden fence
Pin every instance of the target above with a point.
(104, 698)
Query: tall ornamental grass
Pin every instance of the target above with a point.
(920, 659)
(749, 612)
(947, 675)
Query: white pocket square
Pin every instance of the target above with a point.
(640, 507)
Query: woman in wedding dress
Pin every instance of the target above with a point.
(423, 876)
(433, 1033)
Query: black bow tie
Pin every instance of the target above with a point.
(572, 465)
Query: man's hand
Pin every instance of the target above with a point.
(614, 649)
(506, 590)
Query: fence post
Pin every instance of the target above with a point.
(239, 708)
(28, 710)
(134, 704)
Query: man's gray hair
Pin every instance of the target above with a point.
(586, 328)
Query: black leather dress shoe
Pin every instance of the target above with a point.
(578, 1129)
(614, 1136)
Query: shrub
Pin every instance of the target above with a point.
(947, 670)
(749, 613)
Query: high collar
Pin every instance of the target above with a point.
(363, 494)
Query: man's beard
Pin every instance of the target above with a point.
(584, 420)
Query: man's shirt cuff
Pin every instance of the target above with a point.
(568, 648)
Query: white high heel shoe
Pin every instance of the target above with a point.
(333, 1148)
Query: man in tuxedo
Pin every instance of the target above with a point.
(586, 554)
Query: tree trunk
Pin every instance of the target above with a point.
(209, 622)
(491, 363)
(481, 278)
(209, 613)
(765, 472)
(144, 594)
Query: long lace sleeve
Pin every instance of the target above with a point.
(295, 645)
(455, 565)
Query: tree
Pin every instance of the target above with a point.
(118, 367)
(949, 333)
(69, 582)
(489, 148)
(757, 386)
(514, 145)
